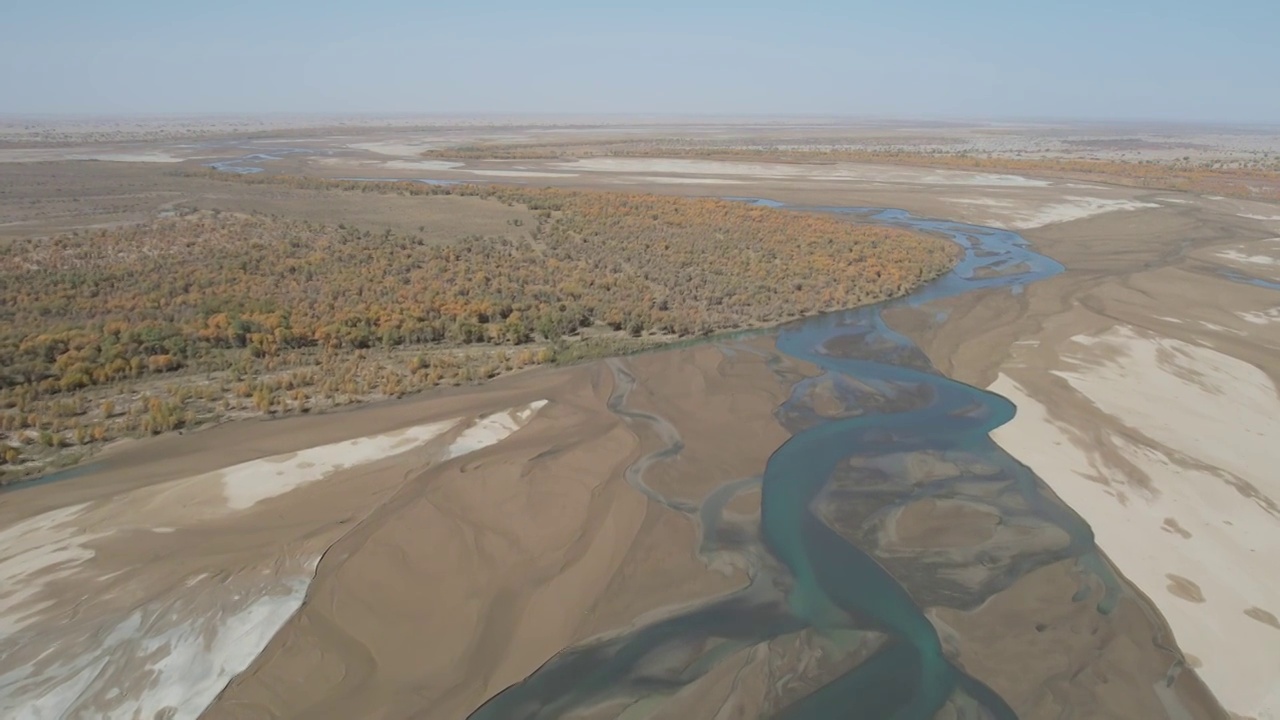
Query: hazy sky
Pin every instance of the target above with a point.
(1133, 59)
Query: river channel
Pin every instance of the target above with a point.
(820, 570)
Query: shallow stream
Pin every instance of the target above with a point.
(812, 579)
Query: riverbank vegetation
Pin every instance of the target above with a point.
(204, 315)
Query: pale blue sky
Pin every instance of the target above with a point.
(1128, 59)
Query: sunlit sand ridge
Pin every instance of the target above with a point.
(146, 604)
(1020, 215)
(1183, 494)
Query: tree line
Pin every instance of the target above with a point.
(208, 292)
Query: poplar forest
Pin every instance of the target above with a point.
(204, 315)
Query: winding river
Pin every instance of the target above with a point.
(809, 577)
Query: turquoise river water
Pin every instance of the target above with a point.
(824, 585)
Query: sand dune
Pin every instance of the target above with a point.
(137, 618)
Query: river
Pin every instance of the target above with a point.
(811, 578)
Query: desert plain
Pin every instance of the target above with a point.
(416, 557)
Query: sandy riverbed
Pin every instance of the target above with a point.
(148, 602)
(1146, 386)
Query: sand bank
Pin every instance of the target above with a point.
(767, 170)
(148, 602)
(469, 581)
(1023, 215)
(124, 155)
(667, 180)
(1241, 257)
(1178, 485)
(521, 174)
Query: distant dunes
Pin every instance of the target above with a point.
(1255, 181)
